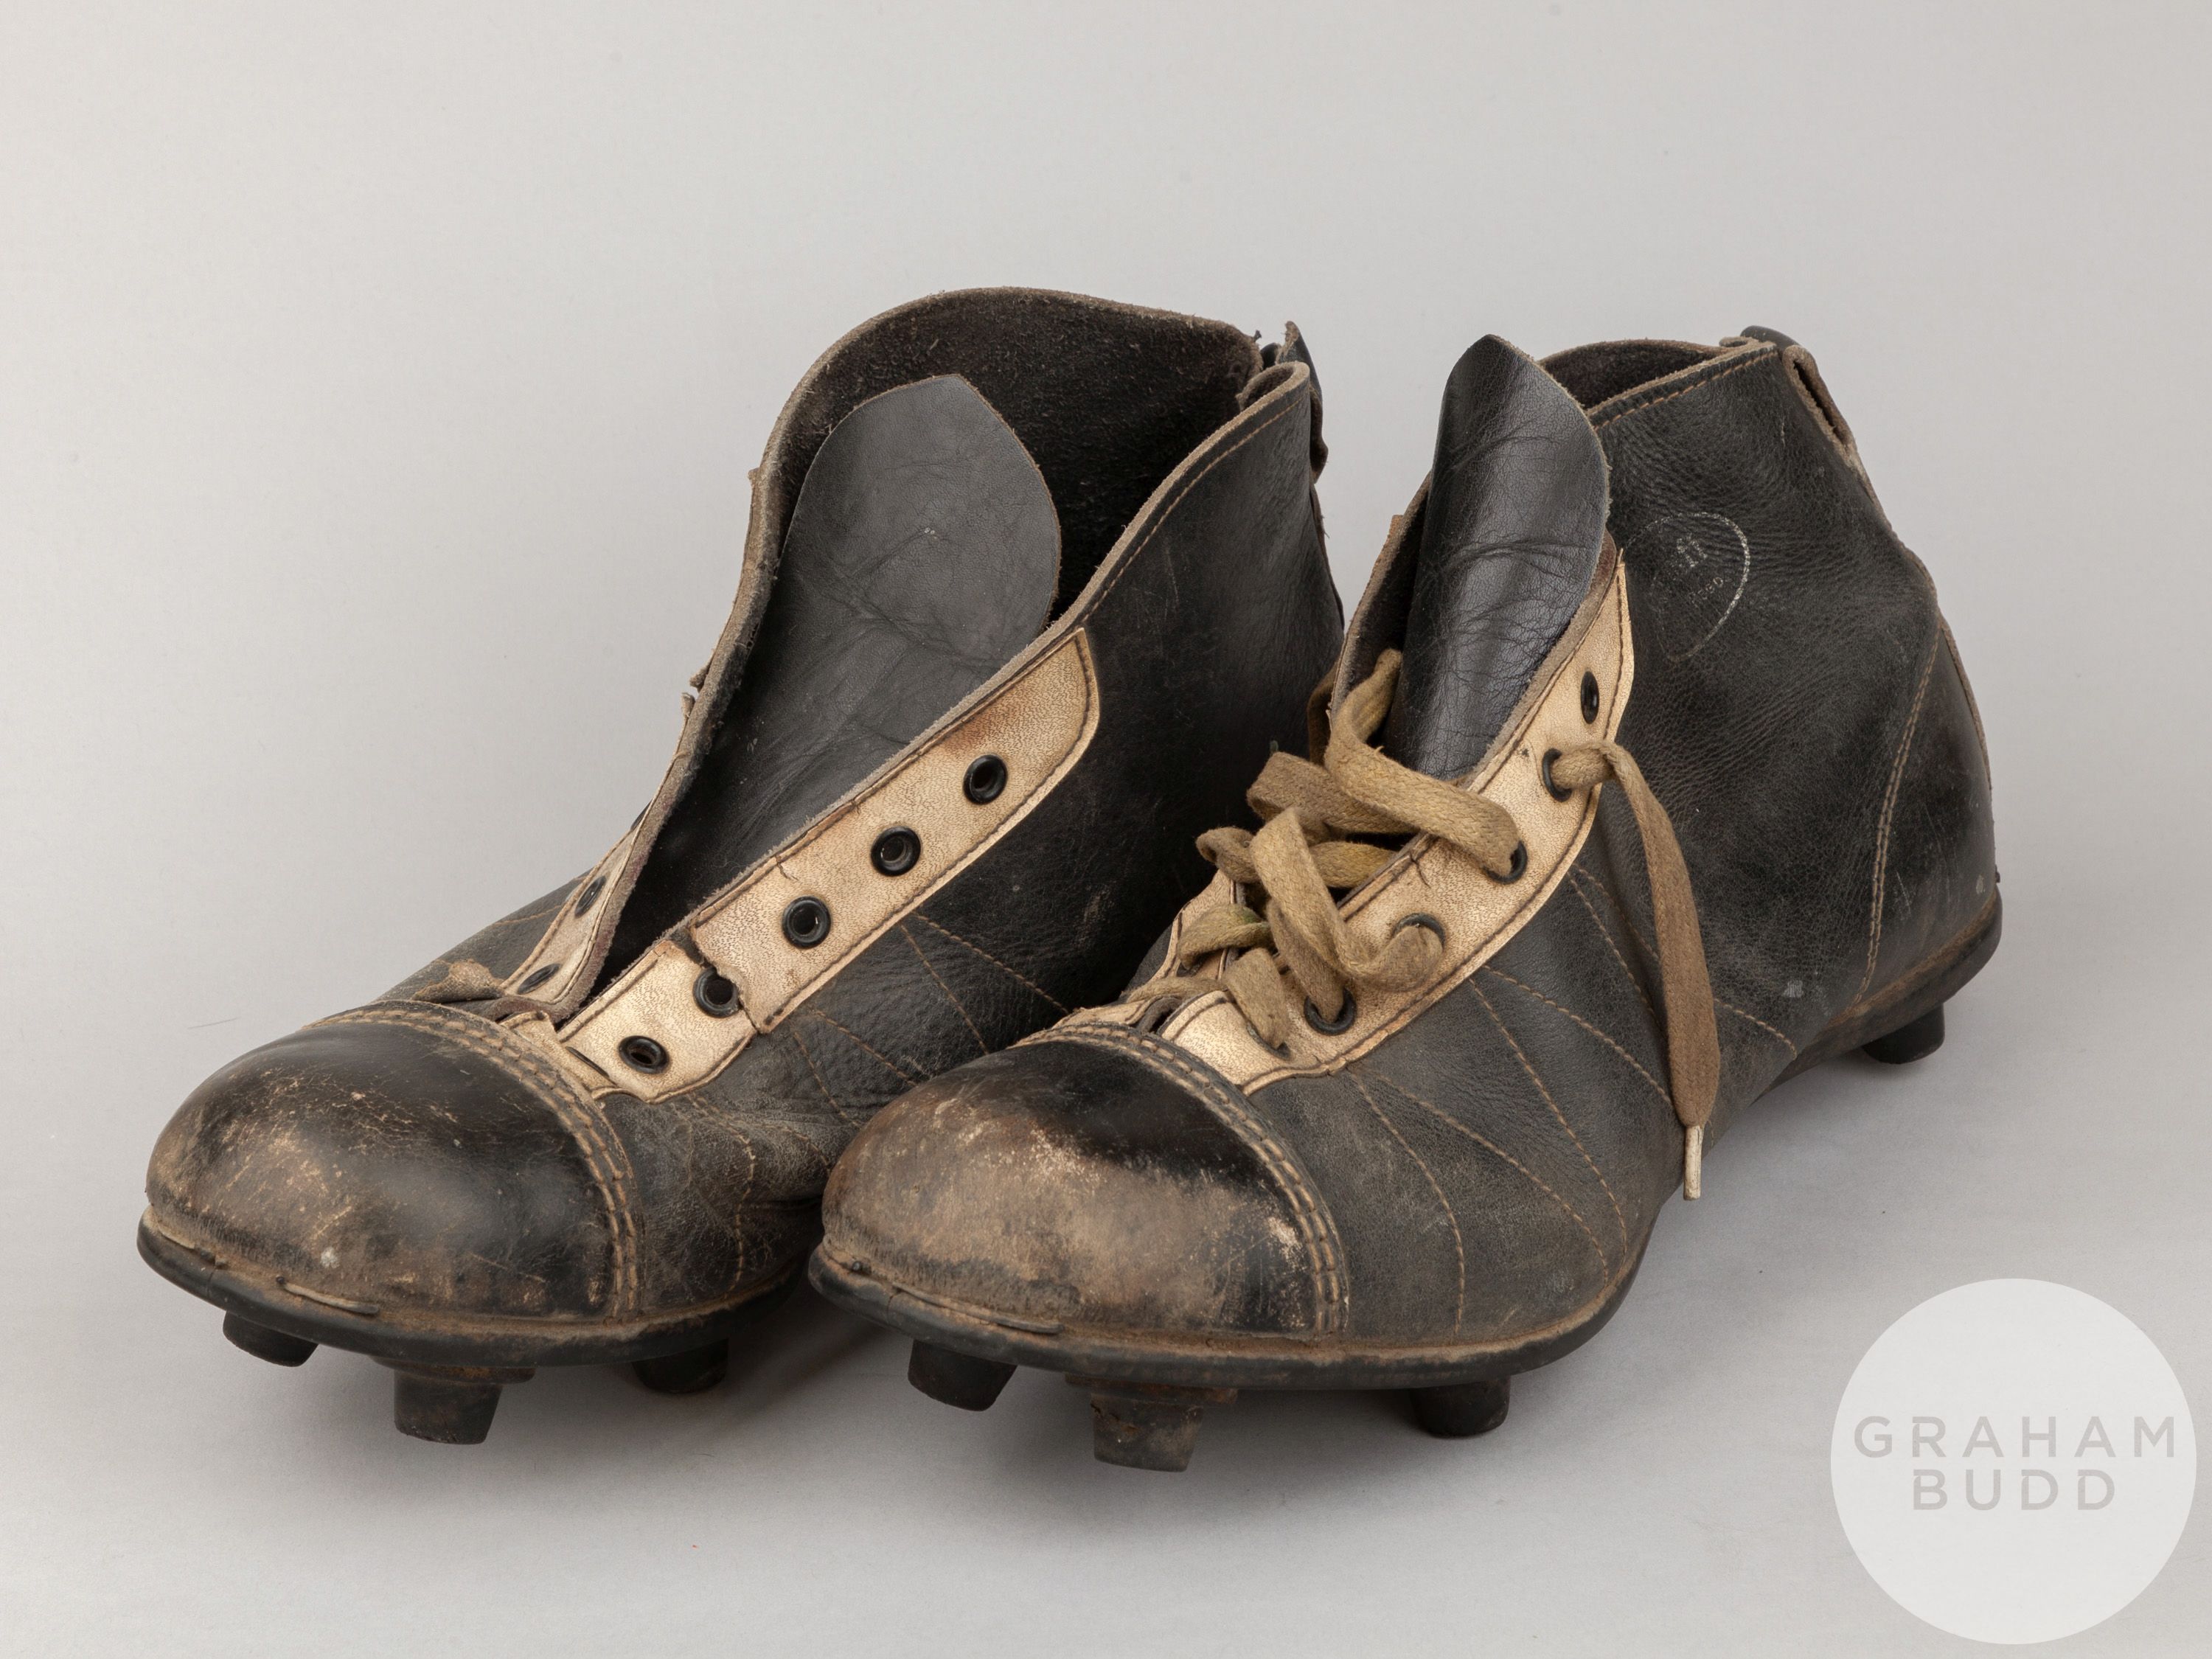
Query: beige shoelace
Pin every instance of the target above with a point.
(1299, 860)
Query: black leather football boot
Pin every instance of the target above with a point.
(1032, 581)
(1651, 777)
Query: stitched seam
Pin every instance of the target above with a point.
(1683, 391)
(1745, 1014)
(1574, 880)
(897, 1071)
(1621, 1220)
(1491, 1146)
(1168, 508)
(1782, 1037)
(906, 933)
(1459, 1243)
(828, 1093)
(1888, 811)
(1322, 1250)
(744, 1197)
(594, 1137)
(1657, 1087)
(994, 961)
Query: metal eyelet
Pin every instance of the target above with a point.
(537, 977)
(715, 993)
(590, 896)
(643, 1054)
(1422, 919)
(986, 777)
(896, 851)
(807, 922)
(1342, 1023)
(1514, 870)
(1590, 698)
(1550, 788)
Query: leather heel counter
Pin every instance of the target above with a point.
(1935, 862)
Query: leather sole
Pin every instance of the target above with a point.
(1148, 1390)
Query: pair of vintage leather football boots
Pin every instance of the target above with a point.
(1646, 776)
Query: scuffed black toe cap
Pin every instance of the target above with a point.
(403, 1155)
(1066, 1182)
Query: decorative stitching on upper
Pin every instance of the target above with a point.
(1619, 1219)
(1168, 506)
(744, 1195)
(1888, 811)
(1574, 880)
(1781, 1037)
(921, 915)
(898, 1072)
(605, 1157)
(1657, 1087)
(960, 1008)
(1767, 356)
(828, 1093)
(1491, 1146)
(1642, 945)
(1459, 1243)
(1324, 1251)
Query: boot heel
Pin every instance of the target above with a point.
(1909, 1043)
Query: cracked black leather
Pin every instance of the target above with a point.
(445, 1166)
(1509, 541)
(1491, 1171)
(921, 556)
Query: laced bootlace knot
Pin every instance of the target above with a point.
(1295, 944)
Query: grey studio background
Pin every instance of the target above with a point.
(377, 388)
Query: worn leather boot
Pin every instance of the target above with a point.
(1032, 582)
(1650, 777)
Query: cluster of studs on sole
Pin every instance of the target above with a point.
(1154, 1425)
(454, 1404)
(1149, 1425)
(1138, 1425)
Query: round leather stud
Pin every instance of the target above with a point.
(643, 1054)
(985, 779)
(715, 993)
(807, 922)
(896, 852)
(590, 896)
(1589, 699)
(1345, 1016)
(537, 977)
(1551, 788)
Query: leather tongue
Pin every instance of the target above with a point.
(1509, 543)
(921, 555)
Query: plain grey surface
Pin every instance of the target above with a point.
(377, 388)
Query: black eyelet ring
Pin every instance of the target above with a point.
(1345, 1016)
(1422, 919)
(1589, 699)
(1514, 870)
(643, 1054)
(1550, 788)
(590, 896)
(715, 993)
(896, 851)
(986, 777)
(537, 977)
(807, 922)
